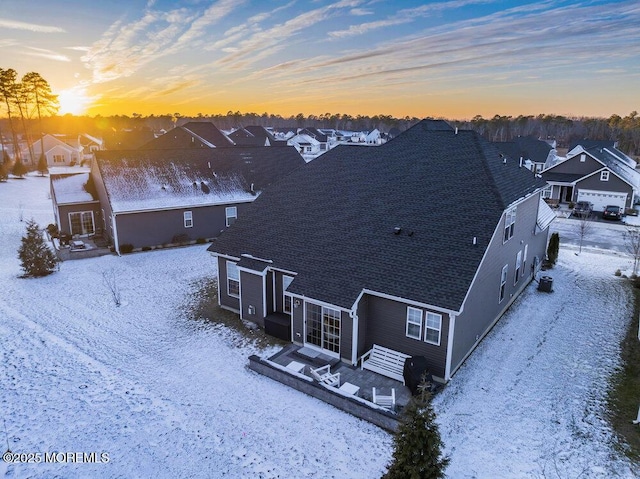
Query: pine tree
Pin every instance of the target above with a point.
(35, 256)
(42, 165)
(19, 169)
(553, 248)
(4, 166)
(417, 445)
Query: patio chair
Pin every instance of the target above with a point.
(387, 402)
(324, 376)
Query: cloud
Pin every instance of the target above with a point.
(48, 54)
(126, 47)
(32, 27)
(359, 12)
(405, 16)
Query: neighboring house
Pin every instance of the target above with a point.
(195, 134)
(318, 135)
(536, 155)
(389, 246)
(157, 197)
(75, 204)
(254, 136)
(373, 137)
(57, 152)
(308, 146)
(602, 175)
(90, 145)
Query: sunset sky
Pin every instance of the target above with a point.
(451, 58)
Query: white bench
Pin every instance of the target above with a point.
(384, 361)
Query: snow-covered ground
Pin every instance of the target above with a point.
(168, 396)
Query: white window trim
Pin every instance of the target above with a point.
(188, 219)
(509, 224)
(503, 283)
(547, 192)
(286, 279)
(228, 216)
(516, 274)
(604, 175)
(583, 158)
(524, 259)
(414, 323)
(428, 328)
(232, 279)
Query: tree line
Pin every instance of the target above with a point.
(24, 102)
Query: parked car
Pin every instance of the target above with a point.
(583, 208)
(612, 213)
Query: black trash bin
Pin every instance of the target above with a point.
(414, 369)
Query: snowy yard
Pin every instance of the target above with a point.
(169, 396)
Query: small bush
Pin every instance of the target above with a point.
(146, 248)
(201, 241)
(126, 248)
(180, 238)
(52, 230)
(553, 248)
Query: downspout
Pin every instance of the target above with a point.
(354, 339)
(116, 243)
(452, 327)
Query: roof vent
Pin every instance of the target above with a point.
(397, 230)
(475, 240)
(205, 188)
(410, 233)
(195, 185)
(456, 130)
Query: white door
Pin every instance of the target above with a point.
(601, 199)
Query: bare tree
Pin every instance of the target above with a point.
(584, 226)
(632, 244)
(110, 280)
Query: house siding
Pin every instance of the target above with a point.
(298, 323)
(346, 336)
(107, 224)
(575, 166)
(63, 214)
(613, 184)
(482, 307)
(386, 322)
(152, 228)
(251, 294)
(226, 301)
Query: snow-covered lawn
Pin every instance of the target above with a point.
(169, 396)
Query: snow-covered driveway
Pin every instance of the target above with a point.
(166, 396)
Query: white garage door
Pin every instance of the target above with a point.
(601, 199)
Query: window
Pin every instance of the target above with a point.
(604, 176)
(188, 219)
(286, 300)
(231, 213)
(546, 193)
(583, 158)
(518, 266)
(503, 281)
(509, 224)
(524, 259)
(414, 323)
(433, 328)
(58, 158)
(81, 223)
(233, 279)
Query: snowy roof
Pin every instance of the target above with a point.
(194, 134)
(349, 200)
(71, 188)
(160, 179)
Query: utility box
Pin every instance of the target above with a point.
(546, 284)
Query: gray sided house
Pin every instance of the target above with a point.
(158, 197)
(600, 174)
(418, 245)
(75, 204)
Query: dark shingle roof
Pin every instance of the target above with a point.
(332, 221)
(252, 136)
(587, 144)
(527, 147)
(195, 134)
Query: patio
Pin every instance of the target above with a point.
(292, 364)
(79, 248)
